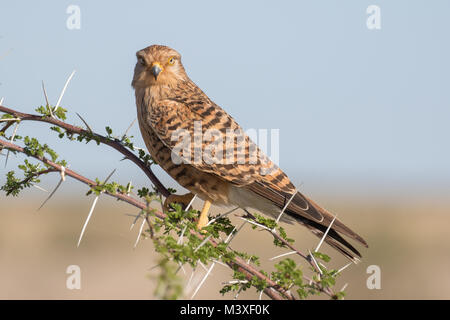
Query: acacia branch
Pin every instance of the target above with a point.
(274, 291)
(116, 144)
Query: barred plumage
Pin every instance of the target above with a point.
(168, 102)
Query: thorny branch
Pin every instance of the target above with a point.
(273, 290)
(98, 137)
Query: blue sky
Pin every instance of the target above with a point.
(352, 104)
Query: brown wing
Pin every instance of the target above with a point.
(259, 173)
(180, 113)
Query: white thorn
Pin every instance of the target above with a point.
(180, 239)
(129, 188)
(256, 224)
(237, 294)
(202, 243)
(39, 187)
(87, 220)
(85, 123)
(344, 287)
(45, 94)
(64, 90)
(234, 234)
(203, 280)
(92, 210)
(154, 267)
(325, 234)
(315, 262)
(344, 267)
(109, 176)
(63, 173)
(11, 141)
(202, 265)
(1, 101)
(221, 216)
(283, 255)
(181, 267)
(235, 281)
(140, 233)
(46, 100)
(260, 294)
(128, 129)
(51, 194)
(9, 119)
(286, 205)
(221, 263)
(190, 278)
(228, 240)
(135, 220)
(190, 202)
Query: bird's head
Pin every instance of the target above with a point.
(157, 65)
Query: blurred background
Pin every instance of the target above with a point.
(363, 118)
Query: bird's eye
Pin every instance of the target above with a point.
(141, 60)
(171, 61)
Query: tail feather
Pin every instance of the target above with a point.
(337, 224)
(333, 238)
(313, 216)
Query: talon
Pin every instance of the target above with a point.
(203, 219)
(184, 199)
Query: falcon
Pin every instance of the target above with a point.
(223, 172)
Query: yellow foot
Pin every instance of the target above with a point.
(203, 219)
(184, 199)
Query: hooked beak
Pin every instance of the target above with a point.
(155, 69)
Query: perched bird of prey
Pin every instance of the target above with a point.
(169, 102)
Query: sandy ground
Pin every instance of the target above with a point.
(409, 240)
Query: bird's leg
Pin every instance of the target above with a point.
(184, 199)
(203, 219)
